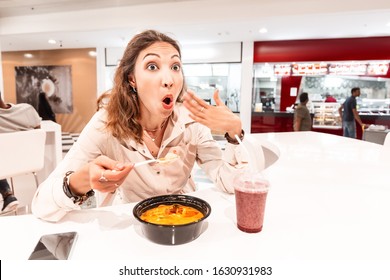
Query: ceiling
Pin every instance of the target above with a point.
(103, 23)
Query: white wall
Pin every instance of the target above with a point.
(196, 53)
(246, 85)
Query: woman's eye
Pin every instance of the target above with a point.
(176, 67)
(152, 67)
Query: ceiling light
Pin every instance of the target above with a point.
(28, 55)
(52, 41)
(92, 53)
(263, 30)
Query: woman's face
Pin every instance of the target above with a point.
(158, 79)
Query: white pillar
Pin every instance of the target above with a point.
(100, 70)
(246, 85)
(1, 74)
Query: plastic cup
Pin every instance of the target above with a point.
(251, 194)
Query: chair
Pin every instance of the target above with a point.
(22, 152)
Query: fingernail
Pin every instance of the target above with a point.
(119, 166)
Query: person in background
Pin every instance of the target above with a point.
(349, 114)
(14, 117)
(329, 98)
(44, 109)
(150, 114)
(302, 118)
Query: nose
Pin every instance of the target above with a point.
(168, 85)
(167, 80)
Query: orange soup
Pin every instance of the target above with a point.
(174, 214)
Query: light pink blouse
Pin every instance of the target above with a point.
(192, 141)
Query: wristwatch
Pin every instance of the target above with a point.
(233, 140)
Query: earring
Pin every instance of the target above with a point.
(134, 89)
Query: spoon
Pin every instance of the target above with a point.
(170, 157)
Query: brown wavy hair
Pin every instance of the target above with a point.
(123, 107)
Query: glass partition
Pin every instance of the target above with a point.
(323, 79)
(203, 79)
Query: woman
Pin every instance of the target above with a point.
(144, 119)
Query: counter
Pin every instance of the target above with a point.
(283, 122)
(375, 136)
(272, 121)
(328, 202)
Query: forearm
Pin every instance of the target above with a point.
(223, 172)
(50, 202)
(297, 124)
(79, 181)
(357, 118)
(235, 127)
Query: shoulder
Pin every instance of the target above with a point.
(99, 119)
(95, 129)
(22, 106)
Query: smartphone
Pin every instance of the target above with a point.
(57, 246)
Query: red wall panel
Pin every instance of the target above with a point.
(370, 48)
(287, 83)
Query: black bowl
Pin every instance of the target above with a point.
(172, 234)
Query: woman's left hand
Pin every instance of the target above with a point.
(218, 118)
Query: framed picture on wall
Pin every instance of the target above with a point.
(54, 83)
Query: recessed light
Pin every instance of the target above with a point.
(28, 55)
(92, 53)
(52, 41)
(263, 30)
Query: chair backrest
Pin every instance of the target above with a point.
(21, 152)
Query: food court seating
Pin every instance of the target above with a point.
(22, 152)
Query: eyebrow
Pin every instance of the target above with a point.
(154, 54)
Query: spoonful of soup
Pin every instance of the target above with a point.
(169, 158)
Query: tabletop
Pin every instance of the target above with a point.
(329, 200)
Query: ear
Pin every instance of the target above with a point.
(132, 81)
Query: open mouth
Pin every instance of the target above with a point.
(167, 100)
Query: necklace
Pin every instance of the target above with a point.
(150, 130)
(147, 132)
(161, 126)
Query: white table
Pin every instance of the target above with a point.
(330, 200)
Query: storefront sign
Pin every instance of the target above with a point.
(310, 69)
(339, 68)
(282, 69)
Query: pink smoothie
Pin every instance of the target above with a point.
(250, 209)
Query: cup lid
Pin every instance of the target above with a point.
(251, 182)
